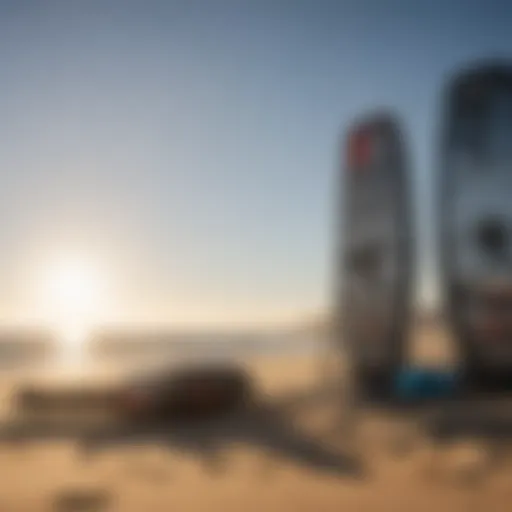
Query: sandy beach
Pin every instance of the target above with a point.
(291, 454)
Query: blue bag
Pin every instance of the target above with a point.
(419, 384)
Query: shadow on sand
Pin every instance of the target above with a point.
(270, 429)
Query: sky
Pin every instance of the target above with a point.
(189, 150)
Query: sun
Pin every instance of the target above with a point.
(73, 292)
(73, 286)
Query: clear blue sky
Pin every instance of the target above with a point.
(191, 147)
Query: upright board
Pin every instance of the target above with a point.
(475, 217)
(376, 257)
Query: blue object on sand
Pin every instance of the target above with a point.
(418, 384)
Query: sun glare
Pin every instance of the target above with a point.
(73, 285)
(73, 294)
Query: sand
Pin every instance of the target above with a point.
(294, 456)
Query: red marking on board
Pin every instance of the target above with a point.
(360, 148)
